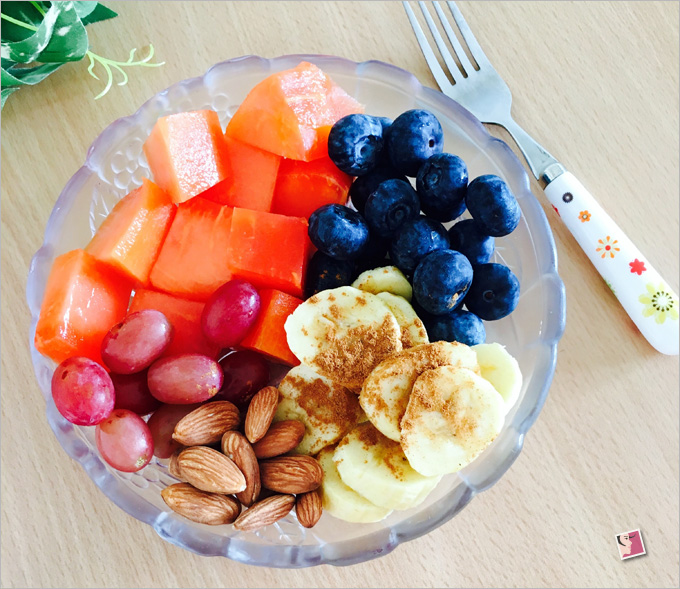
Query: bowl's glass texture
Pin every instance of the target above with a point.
(115, 164)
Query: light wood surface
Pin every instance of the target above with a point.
(597, 83)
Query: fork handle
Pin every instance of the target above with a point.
(645, 296)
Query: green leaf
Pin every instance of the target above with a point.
(18, 76)
(60, 37)
(5, 92)
(99, 14)
(84, 8)
(23, 12)
(69, 39)
(9, 80)
(29, 48)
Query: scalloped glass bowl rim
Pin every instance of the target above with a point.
(378, 543)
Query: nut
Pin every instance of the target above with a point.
(238, 448)
(206, 424)
(308, 508)
(291, 474)
(265, 512)
(210, 470)
(282, 437)
(260, 413)
(173, 465)
(199, 506)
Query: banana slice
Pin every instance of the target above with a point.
(328, 410)
(452, 415)
(376, 468)
(385, 393)
(413, 332)
(339, 500)
(343, 333)
(501, 370)
(386, 279)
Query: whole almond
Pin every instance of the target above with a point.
(260, 413)
(308, 508)
(281, 437)
(238, 448)
(206, 424)
(173, 465)
(210, 470)
(291, 474)
(199, 506)
(265, 512)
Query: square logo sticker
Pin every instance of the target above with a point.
(630, 544)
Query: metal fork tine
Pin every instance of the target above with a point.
(430, 57)
(443, 49)
(457, 47)
(467, 35)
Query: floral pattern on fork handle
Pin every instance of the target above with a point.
(648, 300)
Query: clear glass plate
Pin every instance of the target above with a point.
(115, 164)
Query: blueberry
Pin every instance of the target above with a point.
(441, 281)
(441, 184)
(385, 123)
(459, 326)
(424, 315)
(373, 256)
(324, 272)
(492, 205)
(415, 240)
(467, 238)
(390, 205)
(338, 231)
(363, 186)
(494, 292)
(355, 143)
(384, 159)
(414, 137)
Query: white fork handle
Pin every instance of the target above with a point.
(645, 296)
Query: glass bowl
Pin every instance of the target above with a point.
(115, 164)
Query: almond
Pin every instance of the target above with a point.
(260, 413)
(199, 506)
(238, 448)
(173, 465)
(210, 470)
(291, 474)
(265, 512)
(282, 437)
(206, 424)
(308, 508)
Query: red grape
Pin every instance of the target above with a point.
(188, 378)
(132, 392)
(245, 373)
(82, 391)
(230, 312)
(124, 441)
(162, 423)
(136, 342)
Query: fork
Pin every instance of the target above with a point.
(646, 297)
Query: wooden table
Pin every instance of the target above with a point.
(598, 84)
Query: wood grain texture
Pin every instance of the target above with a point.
(597, 83)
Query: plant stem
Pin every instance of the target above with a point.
(38, 8)
(18, 22)
(107, 64)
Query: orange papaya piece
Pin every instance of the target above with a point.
(131, 235)
(84, 298)
(187, 153)
(193, 262)
(268, 336)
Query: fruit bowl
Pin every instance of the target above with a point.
(115, 164)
